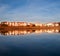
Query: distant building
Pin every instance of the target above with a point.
(49, 24)
(56, 23)
(15, 23)
(53, 24)
(59, 23)
(30, 24)
(38, 24)
(4, 23)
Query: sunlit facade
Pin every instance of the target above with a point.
(29, 24)
(50, 24)
(15, 23)
(38, 24)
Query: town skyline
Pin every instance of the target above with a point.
(20, 23)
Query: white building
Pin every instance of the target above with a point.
(15, 23)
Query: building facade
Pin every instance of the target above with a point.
(15, 23)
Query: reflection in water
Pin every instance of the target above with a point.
(22, 32)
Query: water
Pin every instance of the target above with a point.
(30, 43)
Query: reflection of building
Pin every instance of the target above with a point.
(16, 32)
(23, 32)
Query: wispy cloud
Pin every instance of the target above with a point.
(31, 10)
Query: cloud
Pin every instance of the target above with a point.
(32, 10)
(3, 10)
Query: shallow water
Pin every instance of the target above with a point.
(31, 43)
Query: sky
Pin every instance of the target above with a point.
(30, 10)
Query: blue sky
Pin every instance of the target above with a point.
(30, 10)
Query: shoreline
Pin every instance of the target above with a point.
(26, 28)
